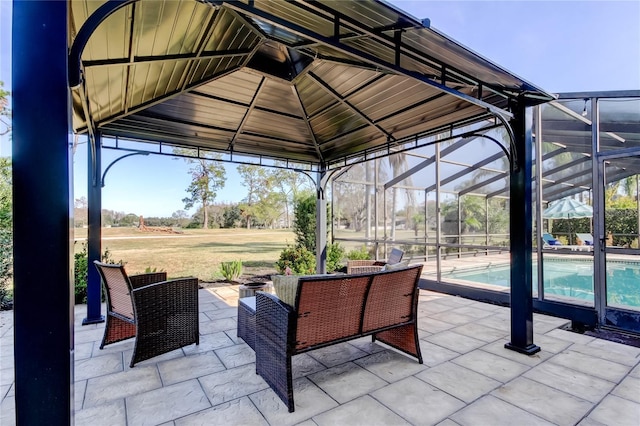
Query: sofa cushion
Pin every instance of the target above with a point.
(394, 266)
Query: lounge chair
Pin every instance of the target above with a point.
(587, 239)
(549, 240)
(162, 315)
(365, 266)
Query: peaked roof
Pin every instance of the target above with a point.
(313, 82)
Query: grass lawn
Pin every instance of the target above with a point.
(195, 252)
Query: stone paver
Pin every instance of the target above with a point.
(231, 384)
(490, 410)
(491, 365)
(449, 377)
(553, 405)
(110, 387)
(239, 412)
(417, 401)
(618, 411)
(468, 377)
(190, 367)
(364, 411)
(591, 365)
(390, 366)
(165, 404)
(347, 381)
(455, 342)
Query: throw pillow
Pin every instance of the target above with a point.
(286, 287)
(394, 266)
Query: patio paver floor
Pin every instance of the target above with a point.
(468, 377)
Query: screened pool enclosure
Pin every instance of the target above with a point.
(447, 204)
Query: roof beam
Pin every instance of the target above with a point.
(461, 173)
(489, 181)
(163, 98)
(305, 118)
(427, 162)
(247, 113)
(277, 21)
(165, 58)
(349, 105)
(85, 33)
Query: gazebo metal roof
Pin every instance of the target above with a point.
(315, 82)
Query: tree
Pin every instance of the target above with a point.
(5, 112)
(255, 179)
(304, 225)
(6, 208)
(232, 217)
(208, 175)
(263, 204)
(6, 205)
(80, 211)
(398, 163)
(290, 183)
(180, 217)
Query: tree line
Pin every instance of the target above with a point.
(270, 196)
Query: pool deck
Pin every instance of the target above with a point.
(468, 377)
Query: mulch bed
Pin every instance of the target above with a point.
(245, 279)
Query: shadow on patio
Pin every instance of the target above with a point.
(467, 376)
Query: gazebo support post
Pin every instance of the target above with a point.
(42, 215)
(94, 233)
(521, 231)
(321, 223)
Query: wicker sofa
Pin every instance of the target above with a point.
(328, 310)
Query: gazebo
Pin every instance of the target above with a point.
(314, 85)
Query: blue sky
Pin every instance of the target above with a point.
(560, 46)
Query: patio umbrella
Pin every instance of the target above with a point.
(568, 208)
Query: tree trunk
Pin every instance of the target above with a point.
(205, 214)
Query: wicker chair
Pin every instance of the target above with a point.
(365, 266)
(162, 315)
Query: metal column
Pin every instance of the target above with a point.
(599, 184)
(42, 214)
(321, 224)
(94, 234)
(520, 234)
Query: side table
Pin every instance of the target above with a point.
(249, 290)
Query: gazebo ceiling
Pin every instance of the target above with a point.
(313, 82)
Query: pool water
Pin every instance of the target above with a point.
(568, 278)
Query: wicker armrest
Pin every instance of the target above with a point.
(275, 336)
(273, 318)
(142, 280)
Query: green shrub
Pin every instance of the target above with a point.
(231, 271)
(80, 271)
(6, 268)
(152, 270)
(360, 254)
(335, 253)
(300, 260)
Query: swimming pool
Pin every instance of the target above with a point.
(567, 278)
